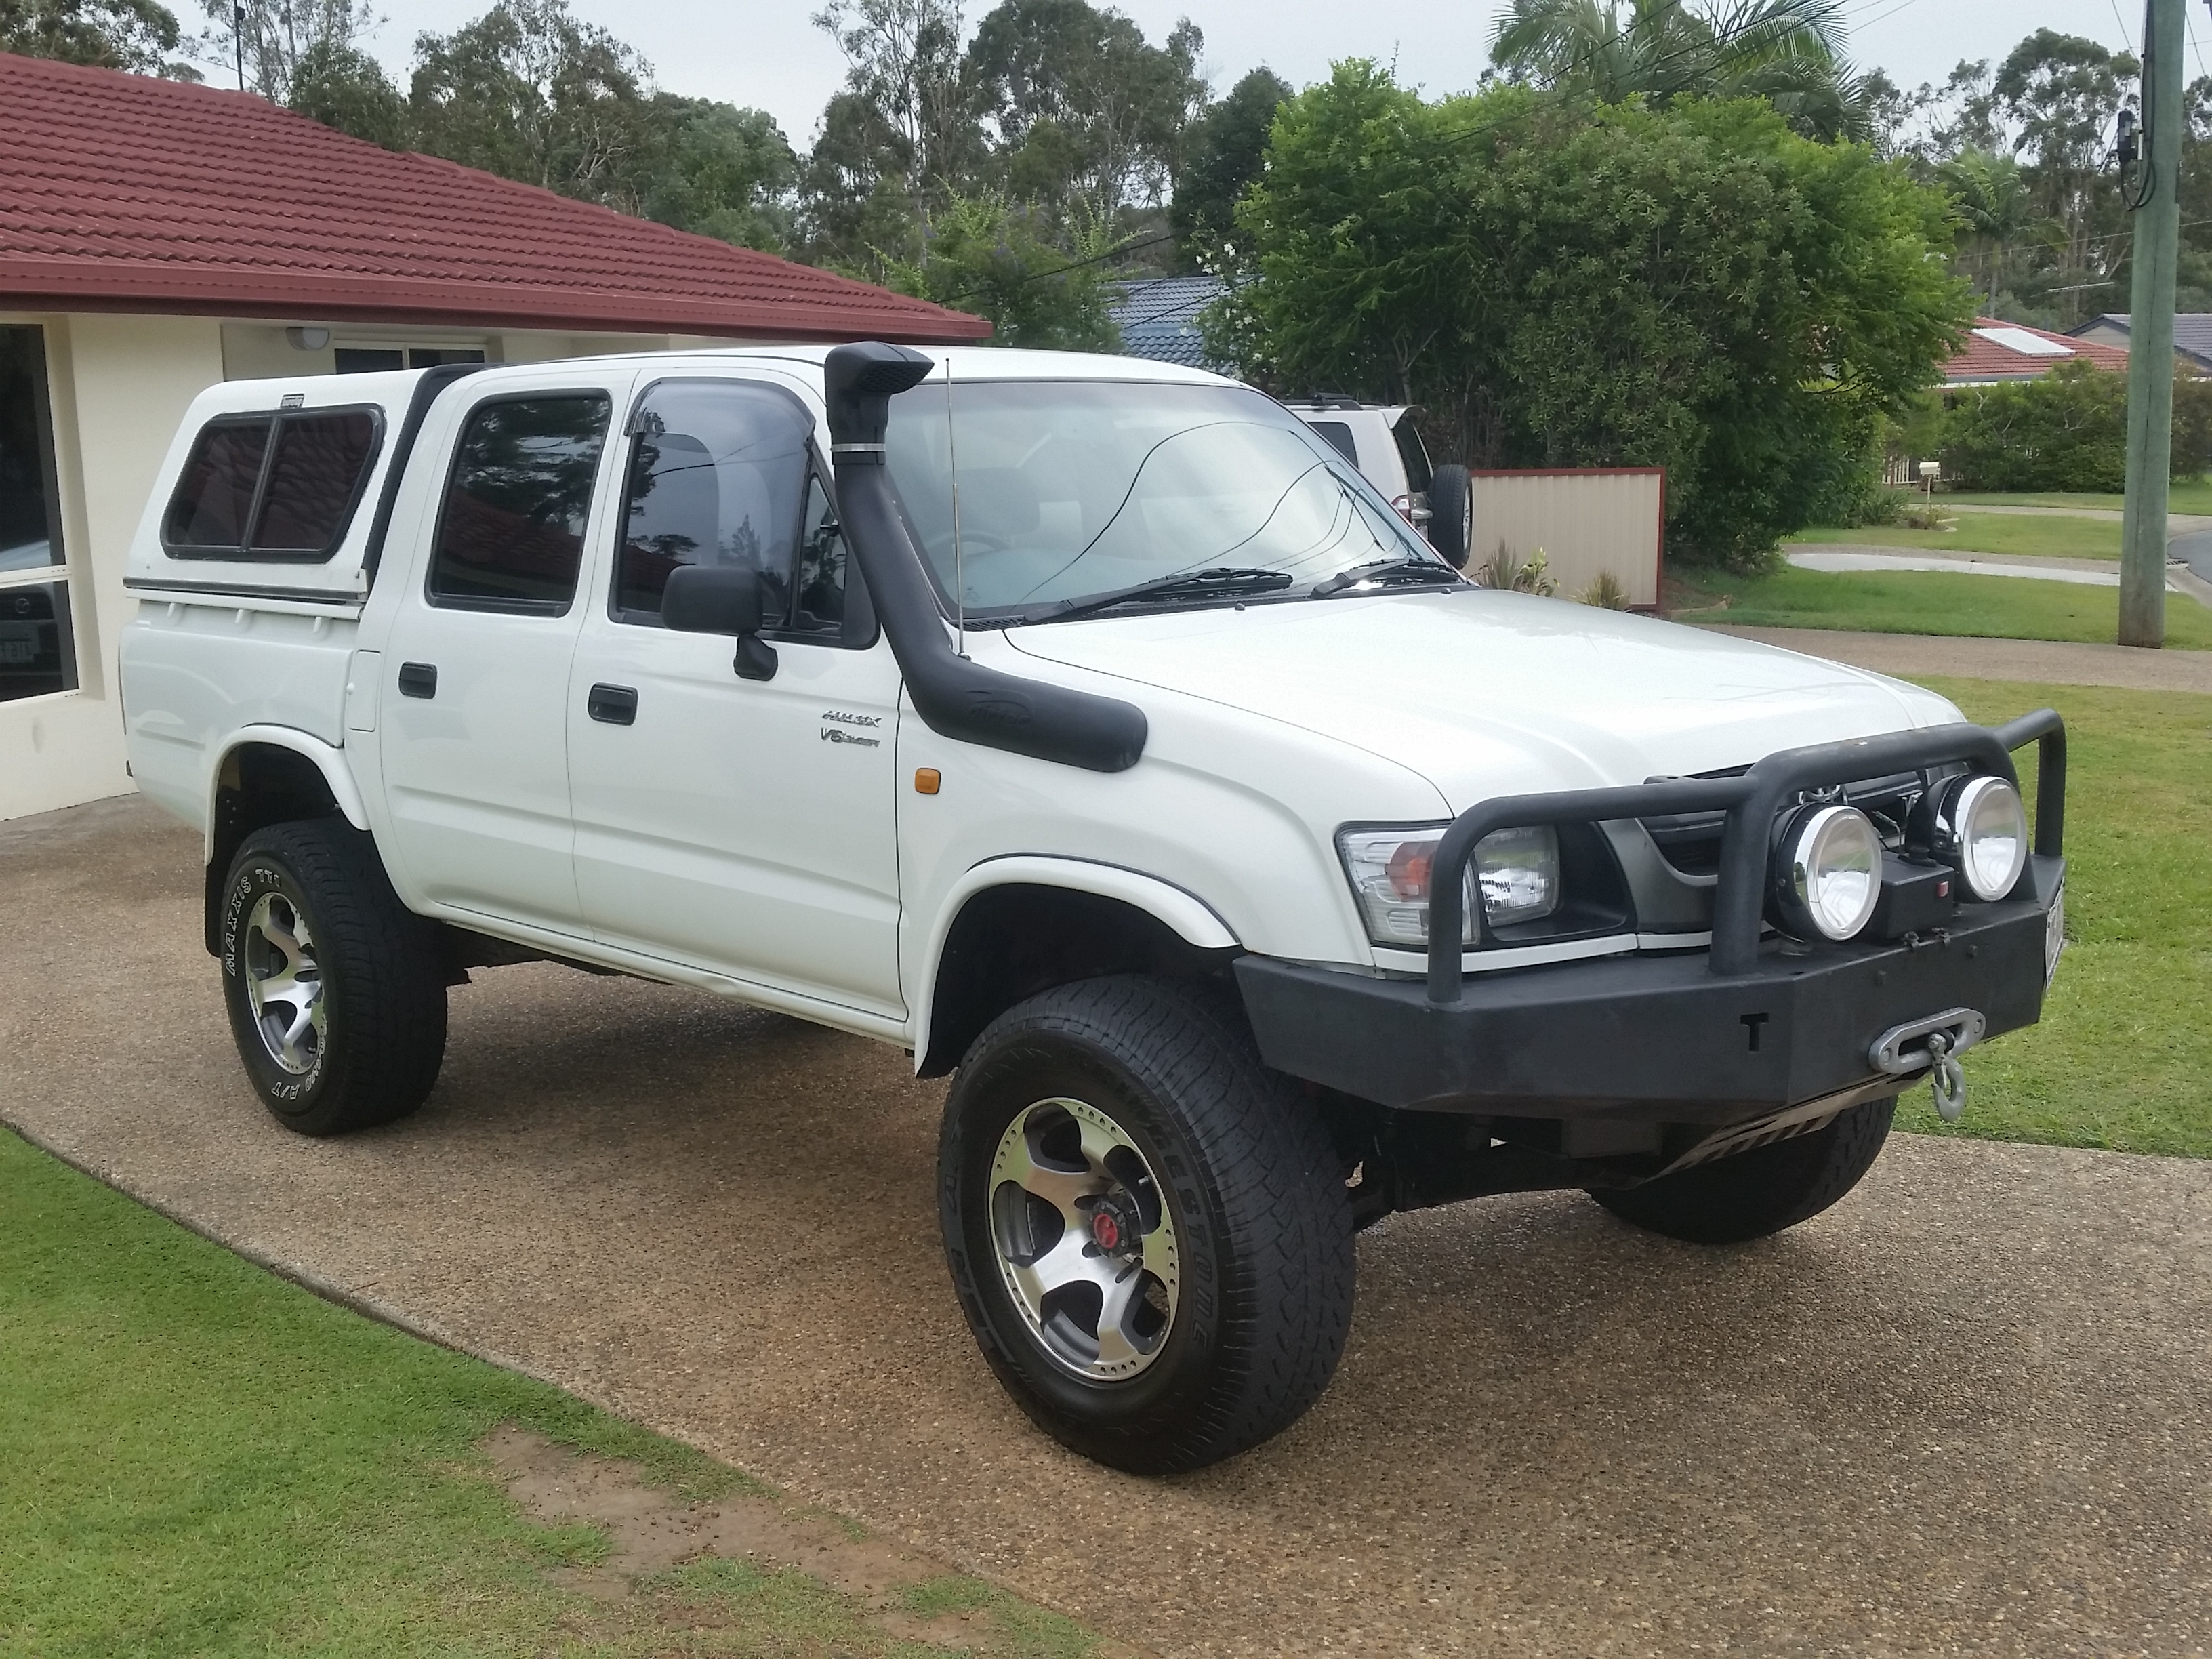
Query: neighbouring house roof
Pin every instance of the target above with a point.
(1159, 319)
(2192, 333)
(123, 192)
(1998, 350)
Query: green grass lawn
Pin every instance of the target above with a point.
(1923, 602)
(199, 1459)
(2195, 495)
(2123, 1056)
(2018, 534)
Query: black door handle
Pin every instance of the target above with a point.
(418, 679)
(614, 704)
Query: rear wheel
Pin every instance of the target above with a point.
(1147, 1229)
(337, 992)
(1762, 1191)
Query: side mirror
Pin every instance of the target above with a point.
(720, 598)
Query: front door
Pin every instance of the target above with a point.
(740, 825)
(475, 673)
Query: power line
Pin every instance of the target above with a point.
(2125, 39)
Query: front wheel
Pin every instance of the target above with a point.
(1753, 1194)
(1147, 1229)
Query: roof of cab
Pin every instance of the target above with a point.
(391, 388)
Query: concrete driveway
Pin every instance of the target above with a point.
(1969, 1411)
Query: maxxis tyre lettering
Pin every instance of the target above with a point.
(384, 988)
(1762, 1191)
(1256, 1190)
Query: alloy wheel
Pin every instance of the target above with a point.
(1085, 1242)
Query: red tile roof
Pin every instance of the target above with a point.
(1987, 356)
(121, 192)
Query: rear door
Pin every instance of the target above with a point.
(744, 826)
(474, 675)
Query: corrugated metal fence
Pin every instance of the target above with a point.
(1587, 520)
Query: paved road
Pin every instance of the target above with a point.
(1968, 1412)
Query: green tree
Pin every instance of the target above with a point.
(271, 38)
(342, 87)
(1081, 105)
(137, 35)
(722, 171)
(1222, 156)
(2059, 93)
(530, 93)
(1994, 208)
(1004, 261)
(1788, 52)
(1695, 286)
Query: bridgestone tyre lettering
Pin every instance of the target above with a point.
(1254, 1188)
(383, 990)
(1762, 1191)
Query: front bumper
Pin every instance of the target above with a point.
(1653, 1038)
(1750, 1028)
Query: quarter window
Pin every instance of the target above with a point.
(511, 536)
(271, 486)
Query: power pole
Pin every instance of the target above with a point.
(2157, 211)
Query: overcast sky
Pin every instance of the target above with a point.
(768, 56)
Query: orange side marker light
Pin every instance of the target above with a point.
(927, 780)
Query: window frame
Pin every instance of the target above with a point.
(517, 607)
(246, 553)
(856, 631)
(58, 576)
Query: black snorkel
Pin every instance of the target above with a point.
(955, 697)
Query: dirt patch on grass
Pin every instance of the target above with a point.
(748, 1563)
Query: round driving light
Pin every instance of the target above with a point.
(1827, 872)
(1983, 828)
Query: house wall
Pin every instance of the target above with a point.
(119, 386)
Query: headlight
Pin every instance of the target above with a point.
(1516, 871)
(1827, 872)
(1982, 828)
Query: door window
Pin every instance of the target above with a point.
(722, 474)
(511, 535)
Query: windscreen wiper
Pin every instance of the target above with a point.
(1220, 579)
(1386, 570)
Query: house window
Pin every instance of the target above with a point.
(370, 360)
(37, 649)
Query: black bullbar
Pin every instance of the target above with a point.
(1749, 1026)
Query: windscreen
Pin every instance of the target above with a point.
(1071, 489)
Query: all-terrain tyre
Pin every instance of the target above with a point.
(1762, 1191)
(336, 991)
(1147, 1228)
(1452, 513)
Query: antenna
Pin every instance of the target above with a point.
(238, 37)
(959, 565)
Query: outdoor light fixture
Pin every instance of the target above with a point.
(307, 339)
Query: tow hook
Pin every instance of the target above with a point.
(1933, 1044)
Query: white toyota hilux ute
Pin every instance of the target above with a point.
(1090, 729)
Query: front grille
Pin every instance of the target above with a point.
(1691, 842)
